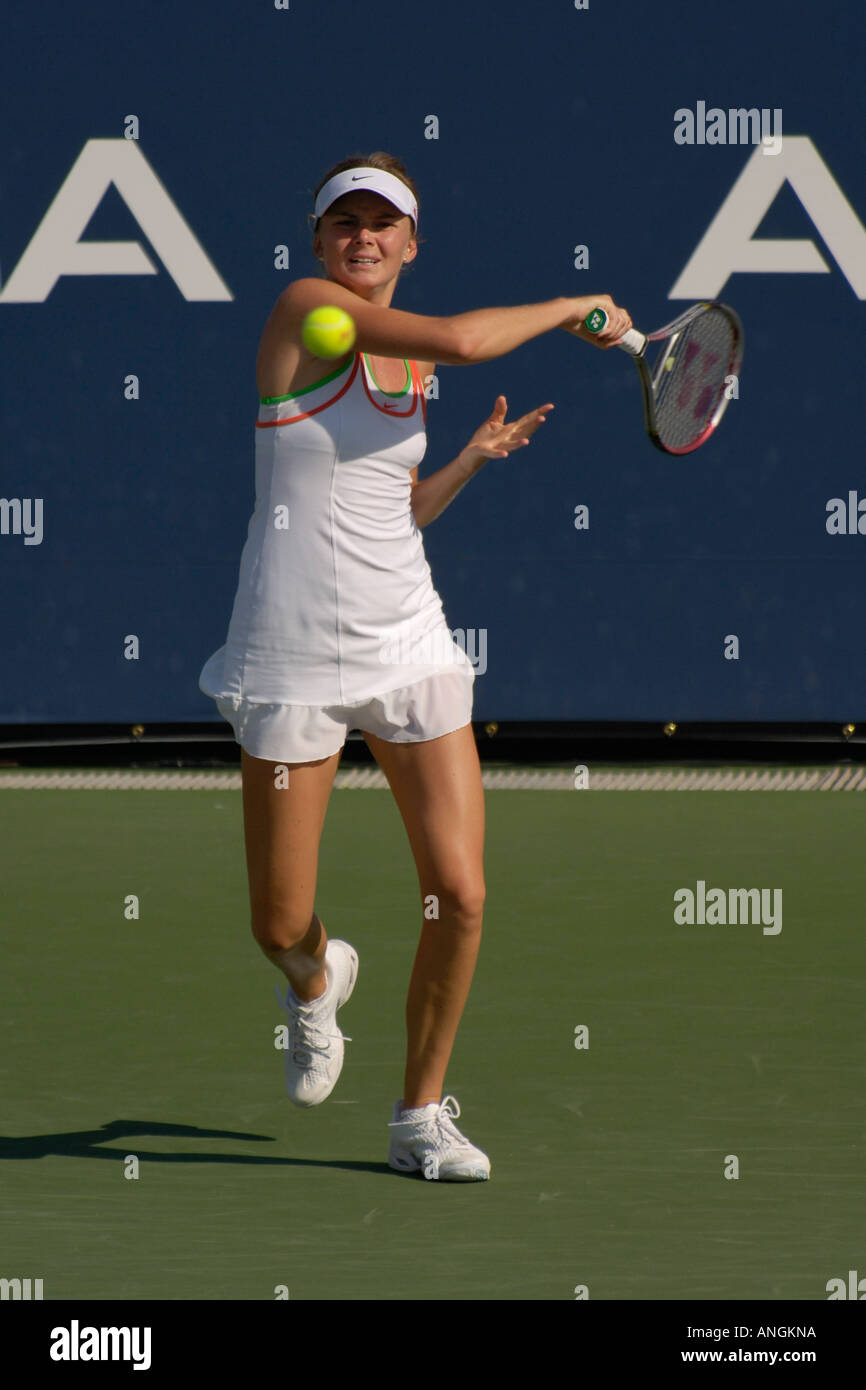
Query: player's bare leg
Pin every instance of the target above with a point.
(438, 789)
(282, 830)
(283, 820)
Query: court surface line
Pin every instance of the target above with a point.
(523, 779)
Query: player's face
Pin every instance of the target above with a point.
(364, 241)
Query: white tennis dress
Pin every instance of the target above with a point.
(335, 604)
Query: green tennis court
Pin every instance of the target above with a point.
(155, 1038)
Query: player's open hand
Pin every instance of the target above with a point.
(497, 438)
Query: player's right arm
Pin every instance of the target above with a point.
(457, 340)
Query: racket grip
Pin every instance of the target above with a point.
(631, 341)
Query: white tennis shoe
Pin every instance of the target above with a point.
(314, 1057)
(434, 1145)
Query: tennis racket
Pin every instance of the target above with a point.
(686, 391)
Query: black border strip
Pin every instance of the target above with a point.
(212, 744)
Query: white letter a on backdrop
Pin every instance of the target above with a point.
(728, 246)
(57, 249)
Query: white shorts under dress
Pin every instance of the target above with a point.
(415, 713)
(336, 623)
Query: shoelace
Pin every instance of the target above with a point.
(305, 1034)
(442, 1123)
(444, 1120)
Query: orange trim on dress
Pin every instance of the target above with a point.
(415, 379)
(392, 409)
(305, 415)
(420, 386)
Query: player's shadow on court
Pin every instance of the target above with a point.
(86, 1143)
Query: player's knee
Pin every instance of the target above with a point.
(462, 902)
(279, 928)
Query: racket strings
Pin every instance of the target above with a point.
(691, 377)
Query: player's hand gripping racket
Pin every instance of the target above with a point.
(690, 384)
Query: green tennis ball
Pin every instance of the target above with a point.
(328, 331)
(669, 363)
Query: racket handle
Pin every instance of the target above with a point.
(631, 341)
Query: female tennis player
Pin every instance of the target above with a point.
(337, 626)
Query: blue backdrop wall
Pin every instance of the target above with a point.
(531, 130)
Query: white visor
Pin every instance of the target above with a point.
(360, 179)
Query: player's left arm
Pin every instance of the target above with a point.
(496, 438)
